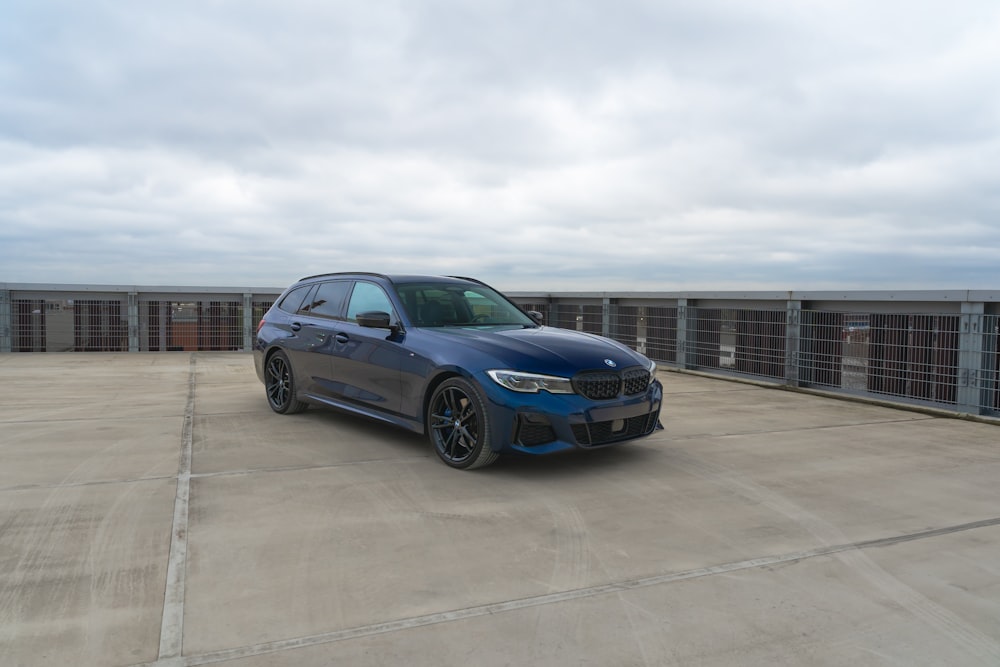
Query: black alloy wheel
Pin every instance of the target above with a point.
(458, 425)
(280, 385)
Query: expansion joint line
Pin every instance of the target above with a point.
(387, 627)
(172, 623)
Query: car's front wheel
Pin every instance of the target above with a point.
(279, 382)
(458, 425)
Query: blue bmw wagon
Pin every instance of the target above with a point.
(454, 359)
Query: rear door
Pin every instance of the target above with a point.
(315, 326)
(289, 321)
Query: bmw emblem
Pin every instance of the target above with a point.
(609, 362)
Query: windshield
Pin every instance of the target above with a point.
(445, 305)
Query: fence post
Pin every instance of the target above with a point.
(971, 344)
(248, 329)
(5, 322)
(606, 317)
(133, 321)
(682, 333)
(793, 338)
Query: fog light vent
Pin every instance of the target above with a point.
(533, 430)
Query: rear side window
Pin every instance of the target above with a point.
(293, 300)
(368, 297)
(329, 299)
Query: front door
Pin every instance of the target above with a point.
(366, 361)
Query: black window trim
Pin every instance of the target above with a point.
(340, 306)
(394, 317)
(306, 291)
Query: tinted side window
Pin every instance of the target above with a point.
(329, 299)
(368, 297)
(293, 300)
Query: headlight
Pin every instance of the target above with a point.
(651, 367)
(531, 383)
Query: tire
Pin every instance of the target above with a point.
(458, 425)
(279, 383)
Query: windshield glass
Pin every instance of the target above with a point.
(445, 305)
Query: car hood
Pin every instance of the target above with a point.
(542, 349)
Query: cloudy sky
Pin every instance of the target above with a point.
(591, 145)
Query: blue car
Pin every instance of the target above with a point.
(454, 359)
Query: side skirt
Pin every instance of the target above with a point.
(363, 411)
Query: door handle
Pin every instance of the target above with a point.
(296, 326)
(343, 338)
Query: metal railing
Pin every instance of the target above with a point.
(937, 348)
(76, 318)
(933, 348)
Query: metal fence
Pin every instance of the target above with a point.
(71, 318)
(939, 348)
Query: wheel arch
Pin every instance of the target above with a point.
(292, 405)
(431, 387)
(484, 450)
(265, 359)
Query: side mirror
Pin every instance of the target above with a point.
(537, 316)
(375, 319)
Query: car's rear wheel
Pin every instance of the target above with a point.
(458, 425)
(279, 382)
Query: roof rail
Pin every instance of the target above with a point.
(346, 273)
(471, 280)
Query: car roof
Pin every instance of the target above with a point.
(395, 279)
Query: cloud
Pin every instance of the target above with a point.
(628, 145)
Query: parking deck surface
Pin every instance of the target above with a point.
(153, 510)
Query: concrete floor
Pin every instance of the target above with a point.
(154, 510)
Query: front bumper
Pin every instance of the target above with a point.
(545, 423)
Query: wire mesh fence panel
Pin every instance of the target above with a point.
(28, 325)
(260, 309)
(914, 356)
(565, 316)
(69, 325)
(650, 330)
(220, 326)
(150, 326)
(168, 326)
(624, 325)
(661, 333)
(743, 340)
(933, 357)
(542, 308)
(759, 342)
(99, 325)
(821, 351)
(174, 326)
(154, 325)
(591, 319)
(705, 334)
(990, 382)
(887, 360)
